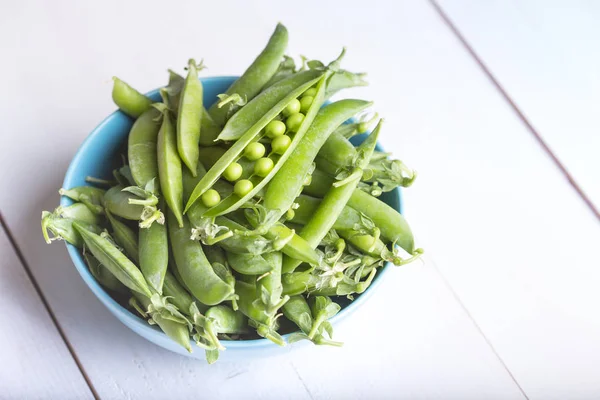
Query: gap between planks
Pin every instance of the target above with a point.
(446, 19)
(11, 239)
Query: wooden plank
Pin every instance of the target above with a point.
(515, 242)
(410, 57)
(543, 53)
(36, 363)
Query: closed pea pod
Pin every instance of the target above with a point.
(392, 225)
(129, 100)
(248, 264)
(335, 200)
(257, 74)
(60, 223)
(270, 283)
(178, 331)
(188, 118)
(225, 320)
(125, 237)
(154, 254)
(169, 167)
(141, 147)
(117, 202)
(298, 311)
(256, 313)
(115, 261)
(92, 197)
(103, 275)
(193, 267)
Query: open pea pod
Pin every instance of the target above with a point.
(247, 131)
(234, 201)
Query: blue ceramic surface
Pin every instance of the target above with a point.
(99, 155)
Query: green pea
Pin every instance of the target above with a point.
(233, 172)
(280, 144)
(293, 122)
(263, 166)
(274, 129)
(292, 108)
(305, 103)
(309, 93)
(211, 198)
(243, 187)
(254, 151)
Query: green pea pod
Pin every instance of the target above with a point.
(337, 152)
(141, 147)
(233, 202)
(92, 197)
(210, 130)
(286, 68)
(79, 212)
(117, 202)
(283, 93)
(240, 244)
(343, 80)
(295, 247)
(59, 223)
(169, 167)
(215, 254)
(125, 237)
(154, 255)
(335, 200)
(129, 100)
(248, 264)
(257, 74)
(227, 321)
(177, 294)
(188, 118)
(288, 182)
(391, 223)
(252, 307)
(270, 283)
(103, 275)
(194, 269)
(176, 330)
(298, 311)
(115, 261)
(295, 283)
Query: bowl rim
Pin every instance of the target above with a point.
(124, 313)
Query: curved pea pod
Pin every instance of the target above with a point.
(241, 244)
(286, 68)
(335, 200)
(225, 320)
(92, 197)
(115, 261)
(391, 223)
(60, 223)
(125, 237)
(248, 264)
(175, 329)
(154, 254)
(169, 167)
(129, 100)
(188, 118)
(345, 79)
(252, 307)
(233, 202)
(287, 183)
(257, 74)
(141, 147)
(298, 311)
(103, 275)
(253, 118)
(215, 254)
(194, 269)
(117, 202)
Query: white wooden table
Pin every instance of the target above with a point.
(495, 103)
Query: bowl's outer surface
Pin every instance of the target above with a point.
(96, 157)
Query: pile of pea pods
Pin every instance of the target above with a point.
(252, 218)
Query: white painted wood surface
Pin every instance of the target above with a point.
(510, 236)
(545, 55)
(35, 362)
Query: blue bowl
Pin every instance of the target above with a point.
(98, 156)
